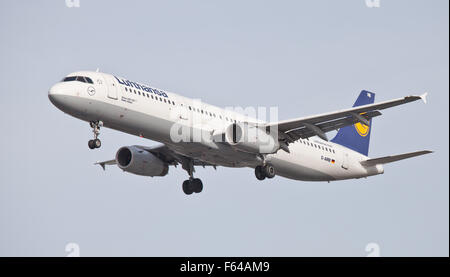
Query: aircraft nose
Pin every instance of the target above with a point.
(56, 95)
(65, 97)
(53, 91)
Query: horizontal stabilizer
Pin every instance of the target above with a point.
(390, 159)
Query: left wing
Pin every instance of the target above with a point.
(305, 127)
(164, 153)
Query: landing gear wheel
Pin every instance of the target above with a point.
(97, 143)
(197, 185)
(91, 144)
(192, 185)
(269, 171)
(187, 187)
(259, 173)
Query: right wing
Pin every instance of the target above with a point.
(390, 159)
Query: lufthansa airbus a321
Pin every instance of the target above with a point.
(193, 134)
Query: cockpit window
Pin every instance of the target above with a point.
(78, 78)
(81, 79)
(71, 78)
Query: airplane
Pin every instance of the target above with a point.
(192, 133)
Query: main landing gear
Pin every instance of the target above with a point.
(192, 184)
(263, 172)
(95, 143)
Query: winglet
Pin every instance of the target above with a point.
(424, 97)
(102, 164)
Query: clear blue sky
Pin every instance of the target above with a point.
(306, 57)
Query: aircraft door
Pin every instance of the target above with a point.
(345, 161)
(111, 86)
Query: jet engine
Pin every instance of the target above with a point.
(140, 162)
(251, 139)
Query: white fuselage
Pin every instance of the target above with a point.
(152, 113)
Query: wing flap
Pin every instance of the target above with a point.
(390, 159)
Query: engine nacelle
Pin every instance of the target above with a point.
(251, 139)
(140, 162)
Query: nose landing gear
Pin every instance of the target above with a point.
(95, 143)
